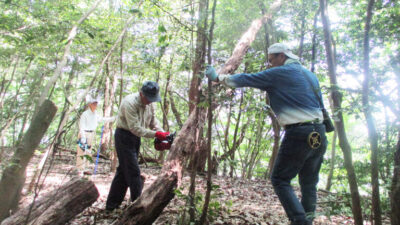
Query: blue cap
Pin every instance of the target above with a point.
(151, 90)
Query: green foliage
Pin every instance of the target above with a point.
(161, 42)
(215, 207)
(336, 204)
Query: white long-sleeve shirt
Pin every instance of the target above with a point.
(89, 121)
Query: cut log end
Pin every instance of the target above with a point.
(58, 206)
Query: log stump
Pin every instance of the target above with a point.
(58, 206)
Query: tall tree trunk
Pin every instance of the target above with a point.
(199, 55)
(165, 106)
(210, 122)
(332, 166)
(175, 110)
(395, 188)
(302, 29)
(277, 137)
(372, 133)
(314, 41)
(256, 150)
(114, 157)
(13, 177)
(67, 92)
(237, 141)
(194, 100)
(4, 87)
(339, 122)
(150, 204)
(235, 144)
(109, 90)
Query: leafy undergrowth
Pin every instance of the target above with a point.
(233, 201)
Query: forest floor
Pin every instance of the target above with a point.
(233, 201)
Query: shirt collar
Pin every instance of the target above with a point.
(289, 61)
(141, 104)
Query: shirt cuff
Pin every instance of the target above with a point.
(226, 80)
(152, 134)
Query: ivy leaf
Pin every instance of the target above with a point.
(162, 39)
(135, 11)
(90, 35)
(161, 28)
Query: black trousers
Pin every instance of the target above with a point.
(128, 172)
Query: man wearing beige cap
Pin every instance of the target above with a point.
(296, 99)
(135, 120)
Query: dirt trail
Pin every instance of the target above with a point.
(234, 201)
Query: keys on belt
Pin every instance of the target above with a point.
(314, 138)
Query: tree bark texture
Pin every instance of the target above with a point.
(236, 143)
(395, 189)
(58, 206)
(372, 133)
(4, 87)
(57, 139)
(248, 37)
(277, 138)
(302, 29)
(13, 177)
(175, 110)
(200, 53)
(165, 106)
(204, 212)
(150, 204)
(256, 152)
(109, 92)
(332, 166)
(314, 41)
(339, 122)
(195, 93)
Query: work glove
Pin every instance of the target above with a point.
(210, 73)
(165, 145)
(158, 147)
(162, 146)
(161, 135)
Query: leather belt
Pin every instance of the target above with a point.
(89, 131)
(300, 124)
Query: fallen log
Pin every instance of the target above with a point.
(13, 177)
(152, 202)
(58, 206)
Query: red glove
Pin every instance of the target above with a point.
(161, 135)
(158, 147)
(162, 146)
(166, 145)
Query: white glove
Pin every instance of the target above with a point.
(83, 140)
(87, 150)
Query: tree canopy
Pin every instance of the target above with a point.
(111, 47)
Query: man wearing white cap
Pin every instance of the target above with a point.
(296, 99)
(87, 128)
